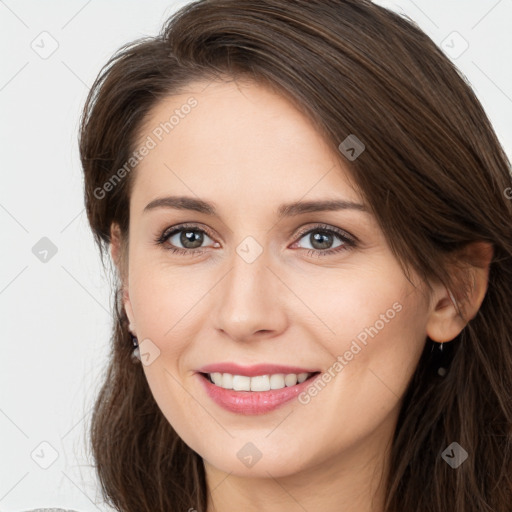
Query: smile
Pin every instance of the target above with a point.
(258, 394)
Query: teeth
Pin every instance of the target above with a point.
(216, 378)
(290, 379)
(258, 383)
(301, 377)
(277, 381)
(241, 383)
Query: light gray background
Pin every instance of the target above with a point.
(55, 320)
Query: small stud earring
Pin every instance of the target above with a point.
(136, 351)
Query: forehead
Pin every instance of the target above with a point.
(238, 140)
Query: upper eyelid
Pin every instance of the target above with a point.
(166, 233)
(326, 227)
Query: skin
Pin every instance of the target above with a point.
(246, 149)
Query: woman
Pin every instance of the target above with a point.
(307, 209)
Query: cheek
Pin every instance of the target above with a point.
(169, 307)
(372, 330)
(383, 350)
(354, 303)
(163, 305)
(370, 360)
(165, 302)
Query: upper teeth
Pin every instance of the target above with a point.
(258, 383)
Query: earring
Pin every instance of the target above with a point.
(136, 352)
(438, 358)
(441, 370)
(135, 342)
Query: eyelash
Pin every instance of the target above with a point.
(349, 242)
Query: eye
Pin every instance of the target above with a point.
(323, 240)
(189, 238)
(185, 239)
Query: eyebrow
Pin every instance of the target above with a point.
(285, 210)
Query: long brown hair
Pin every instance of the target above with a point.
(434, 175)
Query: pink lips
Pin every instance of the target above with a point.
(252, 402)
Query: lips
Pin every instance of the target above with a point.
(249, 402)
(243, 393)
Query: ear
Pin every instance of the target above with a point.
(117, 252)
(115, 244)
(444, 322)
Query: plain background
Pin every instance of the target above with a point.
(55, 320)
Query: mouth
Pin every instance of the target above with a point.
(257, 383)
(256, 394)
(254, 389)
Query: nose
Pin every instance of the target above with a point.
(250, 301)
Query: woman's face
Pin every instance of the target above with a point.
(264, 273)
